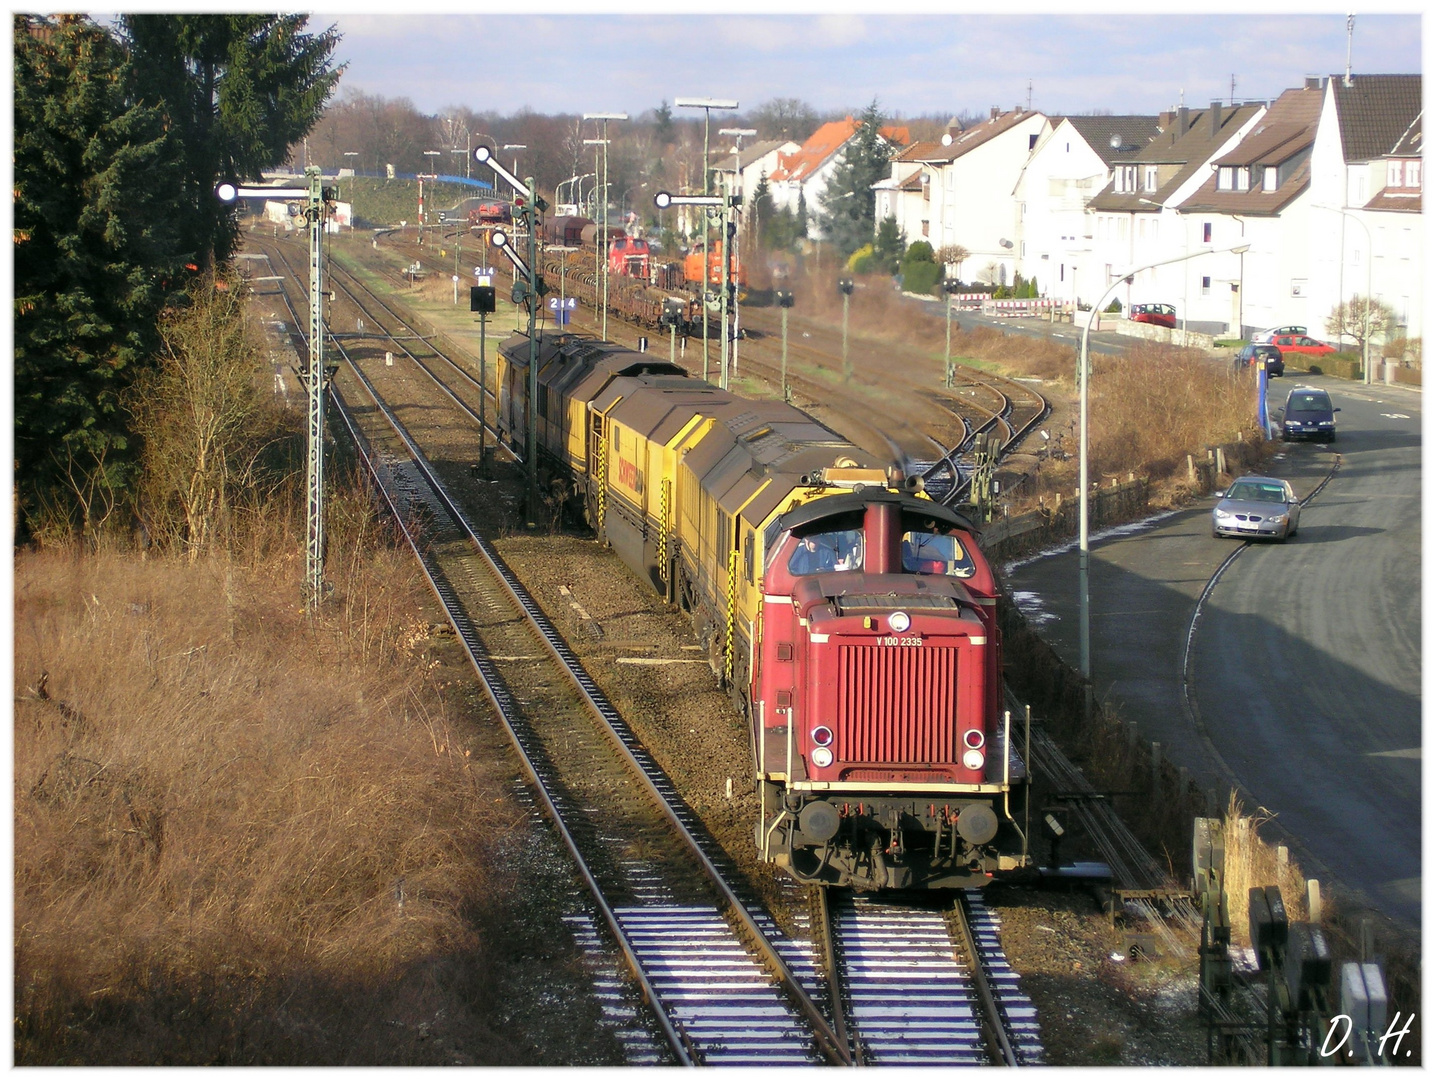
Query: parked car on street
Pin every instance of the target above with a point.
(1301, 345)
(1265, 337)
(1308, 415)
(1257, 506)
(1156, 314)
(1251, 355)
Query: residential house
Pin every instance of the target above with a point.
(1257, 194)
(1138, 221)
(805, 173)
(1366, 167)
(959, 191)
(1066, 170)
(751, 164)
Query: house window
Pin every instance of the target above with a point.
(1126, 178)
(1206, 232)
(1062, 275)
(1272, 178)
(1031, 142)
(1206, 286)
(1412, 174)
(1392, 174)
(1225, 178)
(1151, 174)
(1243, 178)
(926, 228)
(1023, 249)
(927, 187)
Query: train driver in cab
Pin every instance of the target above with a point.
(819, 553)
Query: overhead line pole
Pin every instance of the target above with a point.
(316, 374)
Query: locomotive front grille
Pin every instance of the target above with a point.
(897, 704)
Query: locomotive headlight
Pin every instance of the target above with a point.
(974, 739)
(822, 757)
(899, 621)
(972, 759)
(822, 736)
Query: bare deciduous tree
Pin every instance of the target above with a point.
(1361, 318)
(195, 411)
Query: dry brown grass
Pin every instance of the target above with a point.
(240, 836)
(1252, 862)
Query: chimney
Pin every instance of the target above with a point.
(1185, 117)
(1215, 118)
(1312, 82)
(995, 112)
(1165, 120)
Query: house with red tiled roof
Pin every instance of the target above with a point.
(1366, 169)
(959, 190)
(804, 174)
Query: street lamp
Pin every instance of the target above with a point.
(603, 246)
(352, 154)
(432, 154)
(1369, 264)
(1084, 376)
(707, 105)
(719, 206)
(515, 147)
(740, 191)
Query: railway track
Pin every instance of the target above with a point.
(723, 985)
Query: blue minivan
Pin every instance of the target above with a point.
(1308, 415)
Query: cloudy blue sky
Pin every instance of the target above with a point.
(914, 64)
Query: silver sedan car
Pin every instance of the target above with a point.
(1257, 506)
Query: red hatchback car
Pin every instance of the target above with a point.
(1297, 343)
(1158, 314)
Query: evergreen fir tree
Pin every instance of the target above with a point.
(800, 232)
(848, 209)
(889, 245)
(238, 91)
(96, 186)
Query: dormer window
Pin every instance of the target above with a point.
(1393, 170)
(1225, 178)
(1243, 178)
(1152, 173)
(1271, 180)
(1125, 178)
(1412, 175)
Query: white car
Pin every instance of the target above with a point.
(1266, 337)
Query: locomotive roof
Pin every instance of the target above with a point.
(850, 501)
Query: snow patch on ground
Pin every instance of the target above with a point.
(1030, 605)
(1128, 529)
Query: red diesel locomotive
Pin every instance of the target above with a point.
(852, 619)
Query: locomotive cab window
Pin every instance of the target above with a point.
(824, 552)
(935, 553)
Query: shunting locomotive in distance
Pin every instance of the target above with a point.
(851, 618)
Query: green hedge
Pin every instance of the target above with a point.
(1341, 365)
(921, 277)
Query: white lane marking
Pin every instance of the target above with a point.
(1395, 416)
(1413, 752)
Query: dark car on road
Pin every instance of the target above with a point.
(1251, 355)
(1257, 506)
(1308, 415)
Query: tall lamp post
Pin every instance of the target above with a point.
(603, 245)
(352, 154)
(1084, 376)
(1369, 264)
(515, 147)
(739, 194)
(433, 176)
(707, 105)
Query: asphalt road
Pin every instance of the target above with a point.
(1305, 662)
